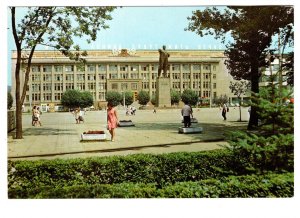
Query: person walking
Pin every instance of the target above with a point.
(76, 115)
(187, 113)
(112, 120)
(36, 116)
(224, 111)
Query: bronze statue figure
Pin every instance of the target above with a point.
(163, 61)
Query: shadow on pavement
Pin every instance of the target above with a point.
(47, 131)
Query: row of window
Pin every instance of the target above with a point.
(92, 77)
(123, 68)
(102, 86)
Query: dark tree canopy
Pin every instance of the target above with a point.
(190, 97)
(251, 29)
(143, 97)
(128, 98)
(175, 97)
(9, 100)
(114, 98)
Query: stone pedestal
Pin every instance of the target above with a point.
(190, 130)
(163, 95)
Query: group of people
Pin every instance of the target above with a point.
(130, 111)
(36, 116)
(78, 114)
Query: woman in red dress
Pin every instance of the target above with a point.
(112, 120)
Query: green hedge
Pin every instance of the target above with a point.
(142, 168)
(269, 185)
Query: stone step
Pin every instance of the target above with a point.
(189, 130)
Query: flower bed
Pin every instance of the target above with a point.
(93, 135)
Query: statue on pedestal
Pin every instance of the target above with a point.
(163, 61)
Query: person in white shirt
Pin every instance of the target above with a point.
(187, 113)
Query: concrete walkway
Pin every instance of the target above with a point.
(59, 136)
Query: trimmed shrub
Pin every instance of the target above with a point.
(269, 185)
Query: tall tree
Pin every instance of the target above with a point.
(251, 29)
(54, 27)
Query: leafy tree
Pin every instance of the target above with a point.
(239, 88)
(143, 97)
(128, 98)
(223, 99)
(190, 97)
(271, 147)
(86, 99)
(153, 100)
(289, 67)
(55, 27)
(9, 100)
(175, 97)
(252, 29)
(114, 97)
(71, 98)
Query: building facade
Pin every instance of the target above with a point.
(123, 70)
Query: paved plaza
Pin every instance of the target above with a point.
(59, 135)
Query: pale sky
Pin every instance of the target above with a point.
(140, 28)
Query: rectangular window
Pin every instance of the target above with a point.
(145, 67)
(154, 75)
(91, 86)
(69, 77)
(91, 68)
(36, 68)
(58, 68)
(206, 67)
(57, 96)
(175, 67)
(124, 68)
(47, 96)
(214, 68)
(58, 86)
(47, 86)
(91, 77)
(69, 86)
(186, 67)
(134, 75)
(114, 86)
(153, 85)
(134, 86)
(80, 77)
(134, 68)
(124, 75)
(214, 76)
(36, 78)
(102, 96)
(145, 76)
(102, 86)
(215, 85)
(196, 67)
(58, 77)
(113, 68)
(69, 68)
(113, 75)
(47, 77)
(102, 76)
(36, 87)
(36, 97)
(81, 86)
(154, 67)
(47, 68)
(145, 85)
(124, 86)
(102, 68)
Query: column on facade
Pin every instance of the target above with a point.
(85, 78)
(63, 75)
(181, 78)
(192, 77)
(201, 80)
(210, 85)
(42, 100)
(97, 83)
(52, 84)
(150, 80)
